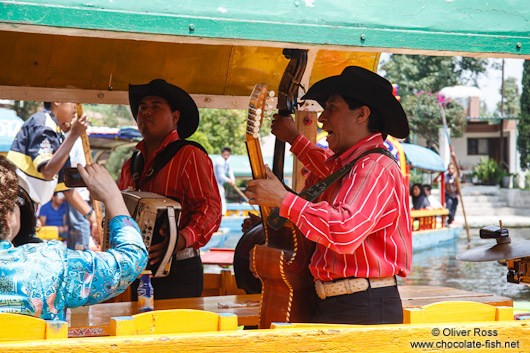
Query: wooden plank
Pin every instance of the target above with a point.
(306, 123)
(43, 94)
(489, 336)
(246, 307)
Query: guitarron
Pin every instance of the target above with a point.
(282, 262)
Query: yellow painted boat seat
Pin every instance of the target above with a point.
(457, 311)
(18, 327)
(172, 321)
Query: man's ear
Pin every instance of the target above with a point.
(176, 116)
(364, 114)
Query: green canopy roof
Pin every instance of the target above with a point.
(217, 50)
(470, 26)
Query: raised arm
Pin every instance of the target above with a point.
(92, 277)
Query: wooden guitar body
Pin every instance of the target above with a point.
(287, 284)
(288, 293)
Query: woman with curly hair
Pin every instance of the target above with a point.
(9, 213)
(43, 280)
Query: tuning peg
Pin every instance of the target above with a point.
(271, 93)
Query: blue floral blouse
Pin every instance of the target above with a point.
(42, 280)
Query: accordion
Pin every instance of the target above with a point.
(153, 213)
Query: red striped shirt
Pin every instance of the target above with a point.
(188, 177)
(361, 224)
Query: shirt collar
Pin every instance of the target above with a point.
(172, 136)
(369, 142)
(54, 118)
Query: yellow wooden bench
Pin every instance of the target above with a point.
(457, 311)
(49, 233)
(171, 321)
(18, 327)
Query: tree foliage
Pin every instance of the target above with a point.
(25, 109)
(416, 73)
(225, 128)
(109, 115)
(511, 98)
(425, 117)
(523, 140)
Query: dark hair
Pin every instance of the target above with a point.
(226, 149)
(28, 221)
(47, 105)
(427, 186)
(8, 193)
(375, 120)
(421, 201)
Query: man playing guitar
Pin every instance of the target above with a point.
(361, 223)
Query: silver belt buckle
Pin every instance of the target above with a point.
(186, 254)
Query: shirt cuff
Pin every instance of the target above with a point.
(292, 207)
(187, 237)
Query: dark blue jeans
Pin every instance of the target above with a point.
(371, 307)
(185, 280)
(450, 204)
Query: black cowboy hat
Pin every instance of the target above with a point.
(177, 98)
(366, 87)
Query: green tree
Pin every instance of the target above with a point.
(202, 139)
(109, 115)
(523, 140)
(425, 118)
(25, 109)
(512, 105)
(416, 73)
(117, 159)
(225, 127)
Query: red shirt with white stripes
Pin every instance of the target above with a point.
(188, 177)
(361, 223)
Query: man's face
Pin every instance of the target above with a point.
(58, 199)
(64, 112)
(339, 121)
(155, 119)
(225, 155)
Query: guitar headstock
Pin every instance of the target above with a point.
(256, 109)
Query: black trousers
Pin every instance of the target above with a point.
(372, 307)
(185, 280)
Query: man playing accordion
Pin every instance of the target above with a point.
(166, 115)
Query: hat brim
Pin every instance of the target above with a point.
(394, 117)
(177, 98)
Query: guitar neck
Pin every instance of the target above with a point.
(254, 120)
(258, 168)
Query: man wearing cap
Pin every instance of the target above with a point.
(361, 223)
(165, 113)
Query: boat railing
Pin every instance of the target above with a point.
(428, 218)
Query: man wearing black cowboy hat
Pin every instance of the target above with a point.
(166, 114)
(361, 222)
